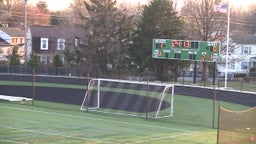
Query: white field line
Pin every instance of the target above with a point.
(50, 133)
(91, 118)
(160, 138)
(13, 98)
(11, 141)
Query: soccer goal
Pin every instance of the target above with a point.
(141, 99)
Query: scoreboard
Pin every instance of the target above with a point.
(186, 50)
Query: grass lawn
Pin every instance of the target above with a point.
(64, 124)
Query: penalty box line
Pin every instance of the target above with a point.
(11, 141)
(98, 119)
(161, 138)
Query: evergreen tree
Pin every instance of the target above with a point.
(57, 61)
(33, 61)
(69, 56)
(108, 33)
(15, 58)
(159, 20)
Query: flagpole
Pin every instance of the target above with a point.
(226, 69)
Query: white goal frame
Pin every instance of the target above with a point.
(85, 107)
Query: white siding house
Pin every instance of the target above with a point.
(241, 57)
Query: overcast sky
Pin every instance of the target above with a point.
(55, 5)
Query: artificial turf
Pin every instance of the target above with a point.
(194, 121)
(62, 123)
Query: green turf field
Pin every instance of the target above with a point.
(64, 124)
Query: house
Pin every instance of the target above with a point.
(47, 41)
(242, 56)
(4, 49)
(9, 37)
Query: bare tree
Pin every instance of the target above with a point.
(106, 35)
(251, 17)
(12, 13)
(6, 11)
(203, 23)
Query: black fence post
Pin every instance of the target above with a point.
(241, 87)
(183, 77)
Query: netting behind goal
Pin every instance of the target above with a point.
(143, 99)
(237, 127)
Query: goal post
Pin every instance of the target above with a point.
(133, 98)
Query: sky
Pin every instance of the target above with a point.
(242, 3)
(55, 5)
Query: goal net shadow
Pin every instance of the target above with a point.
(141, 99)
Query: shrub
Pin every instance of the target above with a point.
(252, 72)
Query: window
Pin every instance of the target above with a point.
(43, 59)
(62, 59)
(232, 65)
(60, 44)
(77, 42)
(50, 59)
(246, 50)
(244, 65)
(44, 43)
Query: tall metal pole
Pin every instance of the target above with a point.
(25, 30)
(226, 69)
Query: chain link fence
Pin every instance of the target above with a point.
(184, 78)
(242, 84)
(62, 71)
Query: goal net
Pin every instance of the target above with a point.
(142, 99)
(237, 127)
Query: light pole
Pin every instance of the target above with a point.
(25, 29)
(226, 67)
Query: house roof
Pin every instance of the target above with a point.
(13, 31)
(245, 39)
(5, 37)
(3, 43)
(52, 31)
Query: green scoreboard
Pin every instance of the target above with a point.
(186, 50)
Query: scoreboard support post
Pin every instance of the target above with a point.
(194, 78)
(214, 73)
